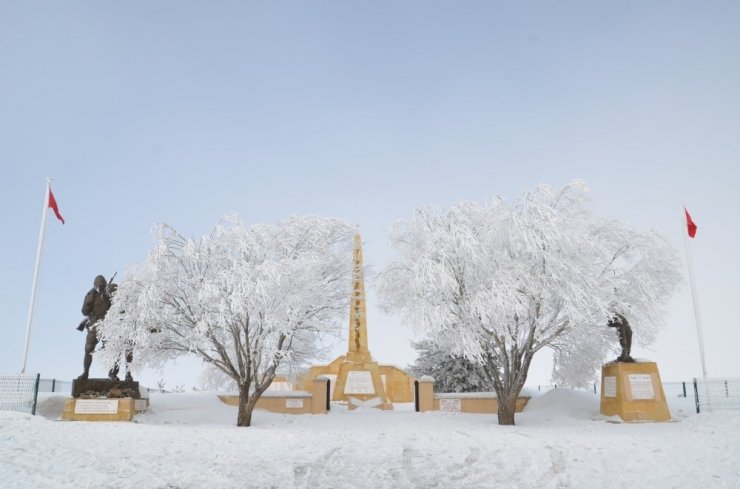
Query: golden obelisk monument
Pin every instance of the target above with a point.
(356, 378)
(358, 349)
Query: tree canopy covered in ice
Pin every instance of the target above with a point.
(246, 300)
(496, 282)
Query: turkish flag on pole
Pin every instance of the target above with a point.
(53, 205)
(690, 224)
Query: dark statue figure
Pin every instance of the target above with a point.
(625, 337)
(94, 307)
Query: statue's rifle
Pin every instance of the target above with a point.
(110, 284)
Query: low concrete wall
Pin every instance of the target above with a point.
(460, 402)
(479, 402)
(289, 402)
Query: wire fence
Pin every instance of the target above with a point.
(716, 394)
(55, 385)
(708, 396)
(19, 393)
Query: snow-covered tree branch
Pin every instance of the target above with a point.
(496, 283)
(245, 300)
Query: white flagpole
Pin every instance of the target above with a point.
(36, 274)
(694, 297)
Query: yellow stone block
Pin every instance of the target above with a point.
(76, 409)
(633, 391)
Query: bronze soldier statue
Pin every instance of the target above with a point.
(624, 331)
(94, 307)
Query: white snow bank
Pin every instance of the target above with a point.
(191, 441)
(561, 403)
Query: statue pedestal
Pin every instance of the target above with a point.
(633, 391)
(103, 400)
(76, 409)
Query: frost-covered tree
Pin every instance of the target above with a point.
(451, 373)
(497, 282)
(245, 300)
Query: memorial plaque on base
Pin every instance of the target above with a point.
(96, 406)
(641, 386)
(359, 382)
(98, 409)
(610, 386)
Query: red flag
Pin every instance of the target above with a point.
(53, 205)
(690, 223)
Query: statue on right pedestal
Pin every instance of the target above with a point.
(625, 337)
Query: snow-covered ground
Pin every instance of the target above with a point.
(191, 441)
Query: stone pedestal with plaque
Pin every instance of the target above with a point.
(103, 400)
(633, 391)
(76, 409)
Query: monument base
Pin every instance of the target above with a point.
(76, 409)
(360, 384)
(633, 391)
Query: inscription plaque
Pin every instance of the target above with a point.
(294, 403)
(96, 406)
(450, 405)
(610, 386)
(641, 386)
(359, 382)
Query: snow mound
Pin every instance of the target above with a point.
(561, 404)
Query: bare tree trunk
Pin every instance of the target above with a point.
(507, 408)
(246, 406)
(248, 397)
(509, 388)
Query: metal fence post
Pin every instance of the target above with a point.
(727, 391)
(35, 393)
(53, 384)
(416, 396)
(328, 396)
(696, 396)
(684, 388)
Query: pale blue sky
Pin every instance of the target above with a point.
(179, 112)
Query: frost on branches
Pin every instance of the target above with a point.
(247, 301)
(496, 283)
